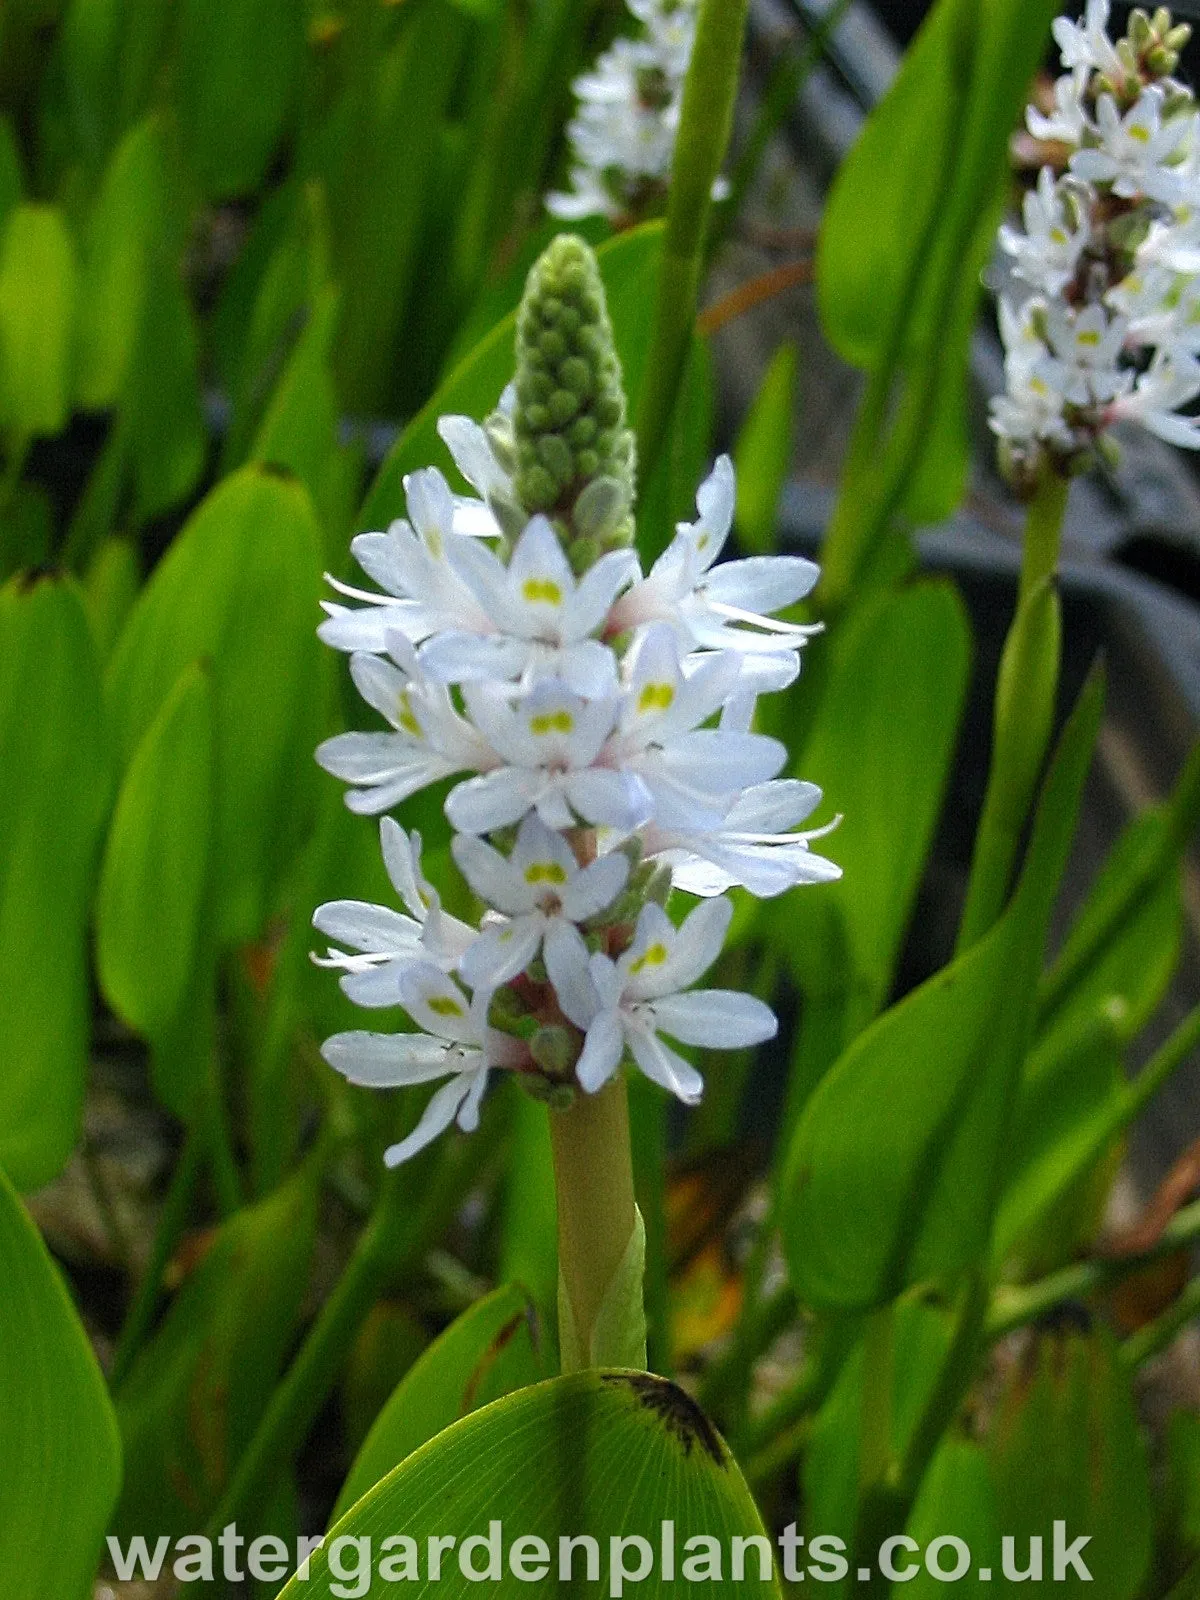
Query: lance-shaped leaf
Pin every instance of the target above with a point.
(195, 1393)
(53, 802)
(607, 1456)
(38, 278)
(893, 1174)
(152, 882)
(1065, 1448)
(60, 1456)
(763, 453)
(239, 587)
(487, 1353)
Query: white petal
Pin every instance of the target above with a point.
(770, 807)
(718, 1019)
(432, 998)
(386, 1060)
(494, 800)
(567, 967)
(436, 1118)
(363, 926)
(663, 1066)
(453, 657)
(609, 799)
(402, 859)
(762, 583)
(596, 887)
(492, 877)
(601, 1053)
(501, 953)
(375, 988)
(364, 757)
(468, 444)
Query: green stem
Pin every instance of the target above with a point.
(1014, 1306)
(705, 121)
(602, 1319)
(875, 1450)
(1162, 1065)
(1023, 716)
(1157, 1335)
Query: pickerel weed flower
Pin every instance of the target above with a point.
(623, 132)
(1101, 316)
(599, 724)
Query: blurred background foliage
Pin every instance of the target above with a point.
(236, 237)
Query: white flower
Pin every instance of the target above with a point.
(383, 940)
(1086, 44)
(1056, 232)
(423, 592)
(626, 1004)
(1084, 354)
(1138, 152)
(718, 607)
(548, 744)
(431, 740)
(539, 884)
(751, 847)
(1069, 120)
(690, 772)
(538, 618)
(457, 1044)
(1169, 382)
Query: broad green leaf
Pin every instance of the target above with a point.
(893, 1174)
(110, 51)
(627, 264)
(1065, 1447)
(895, 677)
(53, 802)
(38, 283)
(957, 1501)
(236, 80)
(110, 587)
(26, 529)
(379, 165)
(1137, 966)
(196, 1391)
(763, 453)
(529, 1237)
(12, 183)
(830, 1472)
(239, 586)
(1183, 1448)
(151, 897)
(610, 1455)
(129, 226)
(60, 1455)
(669, 495)
(1069, 1110)
(487, 1353)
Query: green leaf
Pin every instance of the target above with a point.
(53, 802)
(1065, 1447)
(236, 78)
(627, 265)
(895, 678)
(60, 1456)
(607, 1454)
(110, 51)
(1135, 967)
(238, 587)
(487, 1353)
(37, 321)
(151, 898)
(957, 1499)
(110, 588)
(668, 496)
(763, 453)
(1069, 1110)
(130, 224)
(197, 1390)
(893, 1173)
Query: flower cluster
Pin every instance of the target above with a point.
(1101, 319)
(623, 132)
(598, 720)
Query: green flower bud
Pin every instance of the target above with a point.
(558, 1096)
(555, 1049)
(568, 428)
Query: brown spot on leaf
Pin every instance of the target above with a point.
(678, 1412)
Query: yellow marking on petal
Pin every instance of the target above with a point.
(545, 872)
(543, 591)
(1136, 131)
(551, 722)
(656, 697)
(405, 717)
(1088, 336)
(652, 957)
(442, 1006)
